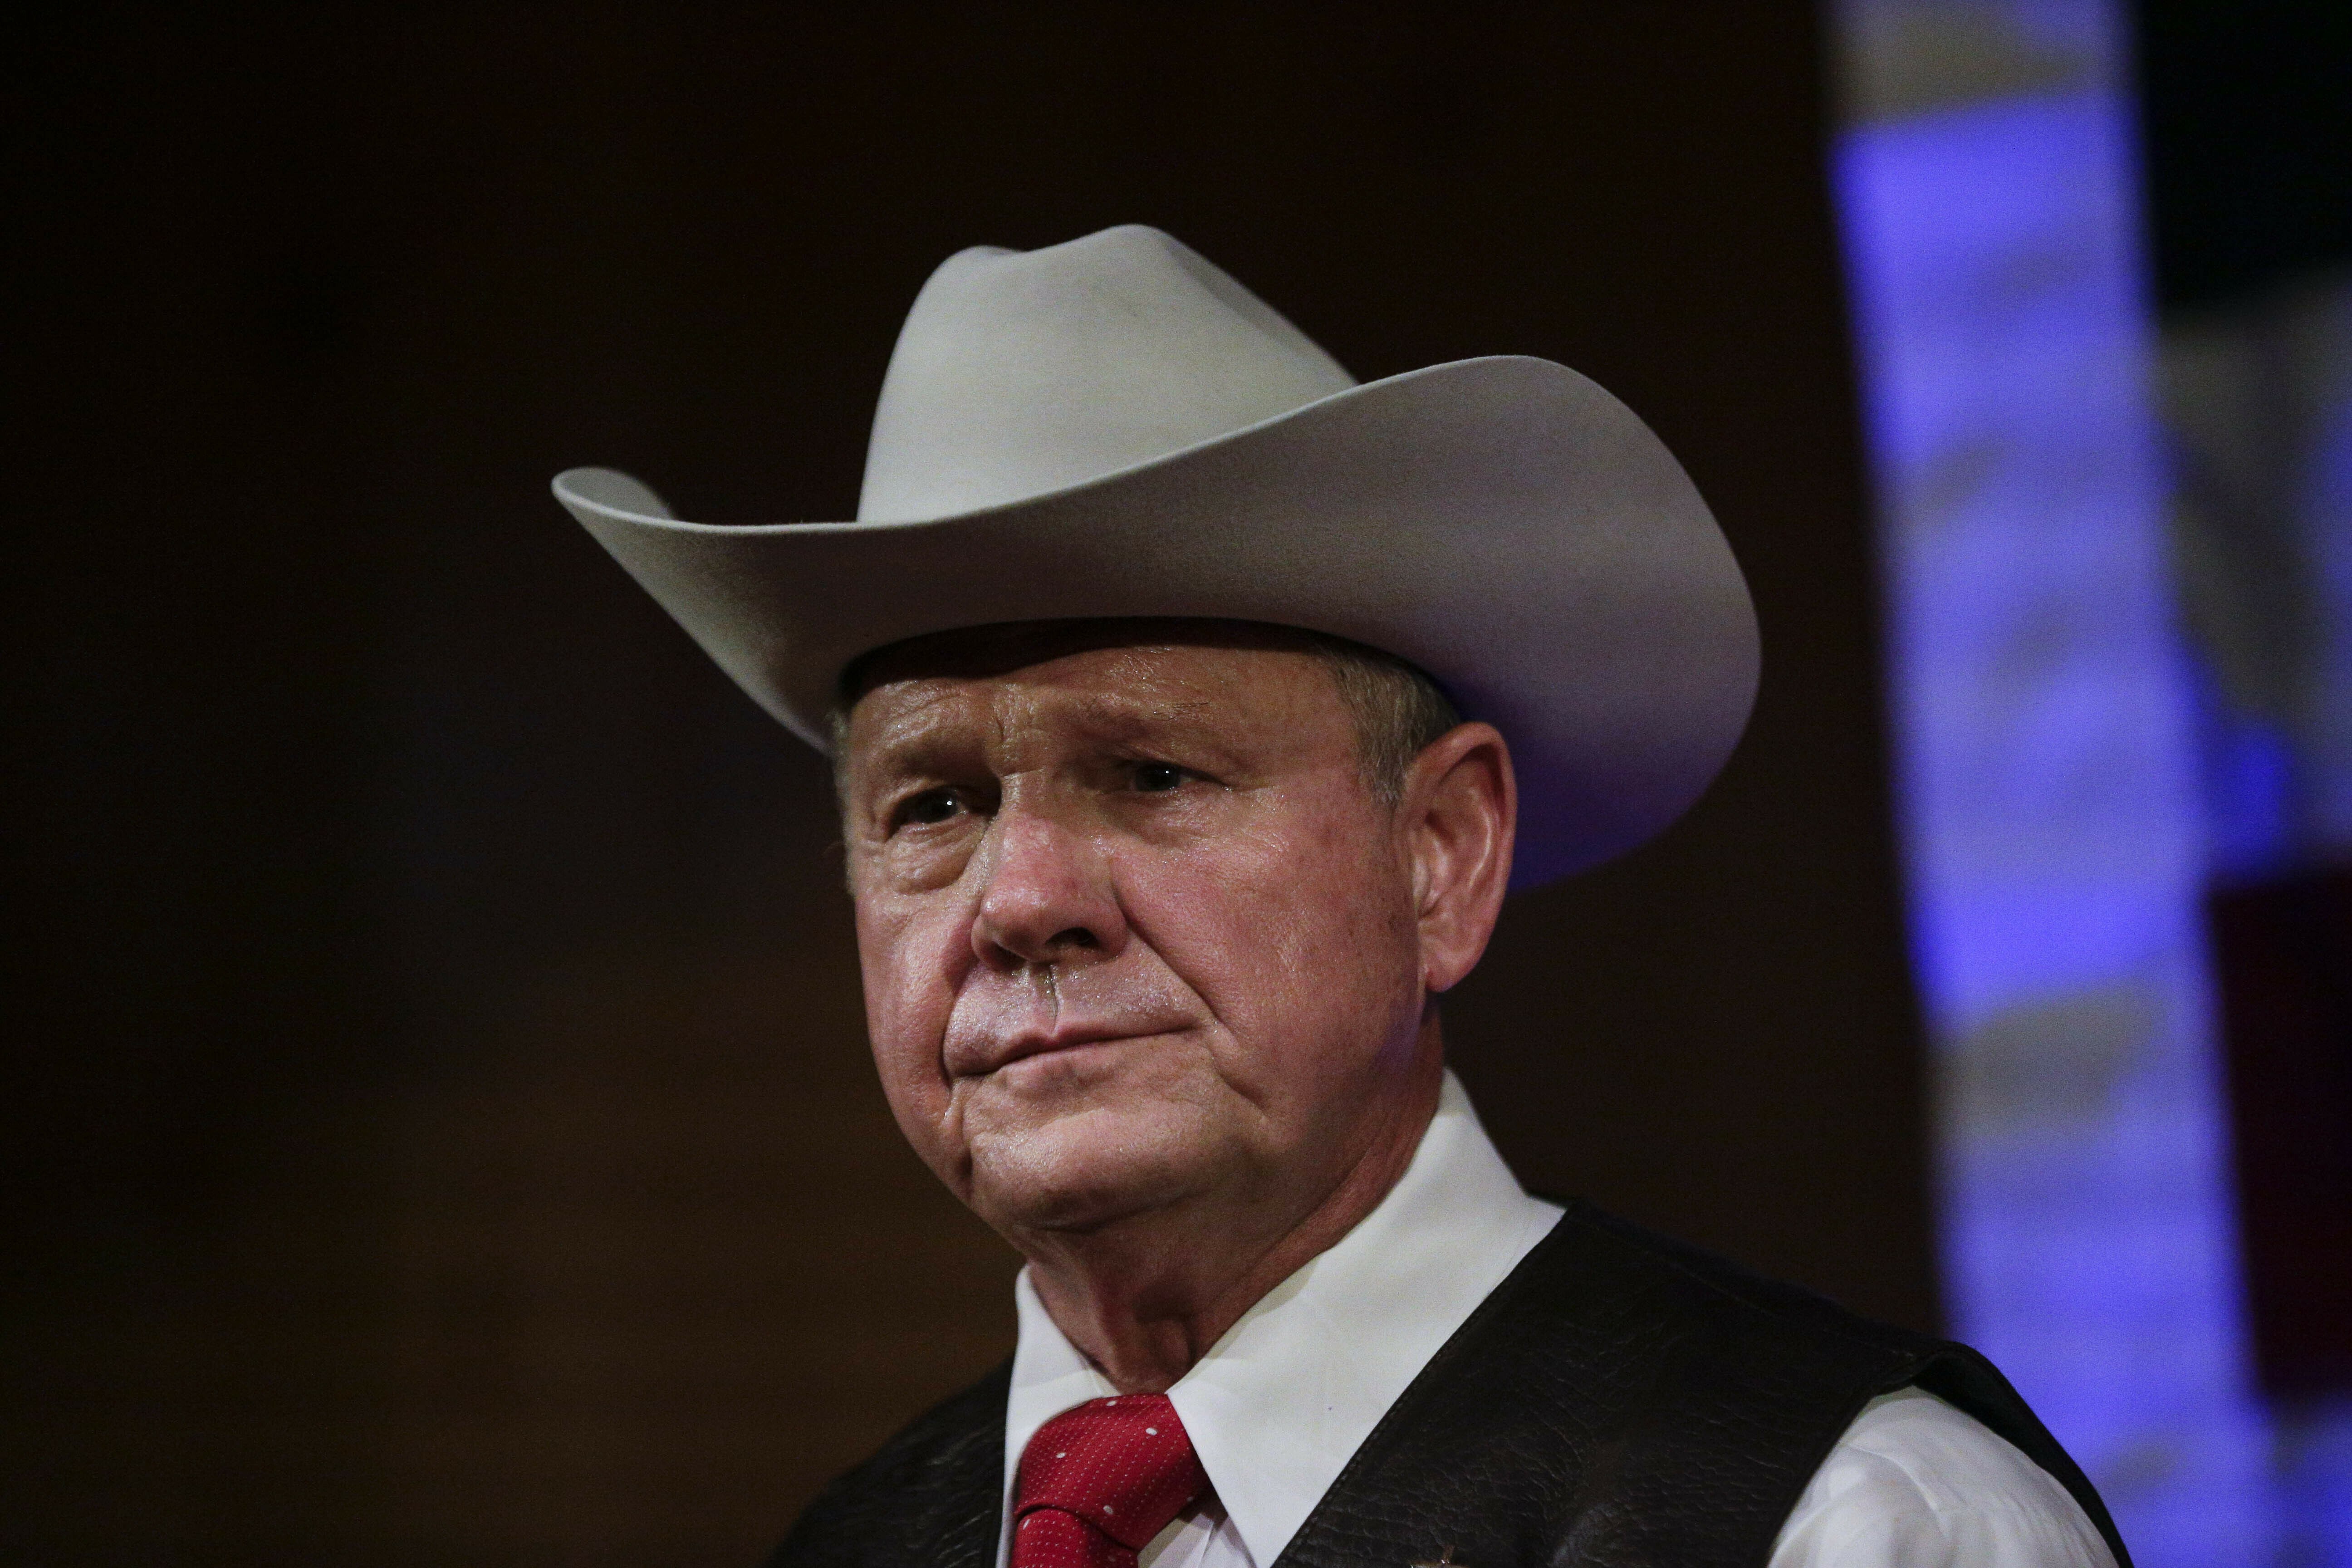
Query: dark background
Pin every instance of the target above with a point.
(436, 1127)
(2246, 117)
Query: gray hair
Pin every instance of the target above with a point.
(1399, 711)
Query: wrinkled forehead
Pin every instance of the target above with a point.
(1209, 683)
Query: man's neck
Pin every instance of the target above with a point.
(1147, 1298)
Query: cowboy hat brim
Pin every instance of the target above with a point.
(1503, 524)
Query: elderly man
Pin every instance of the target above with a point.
(1192, 707)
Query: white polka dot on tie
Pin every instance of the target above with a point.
(1105, 1508)
(1151, 1431)
(1063, 1454)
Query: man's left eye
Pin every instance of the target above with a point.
(1158, 778)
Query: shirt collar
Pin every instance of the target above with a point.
(1278, 1406)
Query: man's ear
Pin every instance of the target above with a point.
(1458, 812)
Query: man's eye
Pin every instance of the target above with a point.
(933, 805)
(1158, 778)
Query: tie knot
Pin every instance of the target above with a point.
(1124, 1466)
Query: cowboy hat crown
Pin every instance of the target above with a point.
(1115, 427)
(1019, 374)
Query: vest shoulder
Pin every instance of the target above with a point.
(1677, 1276)
(1630, 1399)
(929, 1495)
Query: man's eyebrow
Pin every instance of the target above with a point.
(1143, 721)
(1125, 715)
(913, 740)
(910, 738)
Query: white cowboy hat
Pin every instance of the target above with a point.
(1113, 427)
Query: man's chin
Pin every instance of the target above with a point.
(1086, 1170)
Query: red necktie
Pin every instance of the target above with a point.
(1097, 1482)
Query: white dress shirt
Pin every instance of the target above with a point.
(1276, 1406)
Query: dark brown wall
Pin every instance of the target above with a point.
(436, 1127)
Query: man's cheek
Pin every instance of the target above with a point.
(906, 1031)
(907, 1003)
(919, 1101)
(897, 943)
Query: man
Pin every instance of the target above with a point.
(1145, 670)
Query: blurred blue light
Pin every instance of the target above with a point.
(2052, 799)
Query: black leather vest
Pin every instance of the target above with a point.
(1620, 1401)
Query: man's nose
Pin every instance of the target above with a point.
(1048, 900)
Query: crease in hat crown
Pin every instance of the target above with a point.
(1018, 373)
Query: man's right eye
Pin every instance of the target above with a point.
(933, 805)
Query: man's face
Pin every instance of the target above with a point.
(1135, 930)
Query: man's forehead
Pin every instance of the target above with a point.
(921, 710)
(1142, 678)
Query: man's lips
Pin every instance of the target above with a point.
(978, 1058)
(1001, 1020)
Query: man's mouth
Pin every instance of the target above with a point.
(995, 1027)
(995, 1056)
